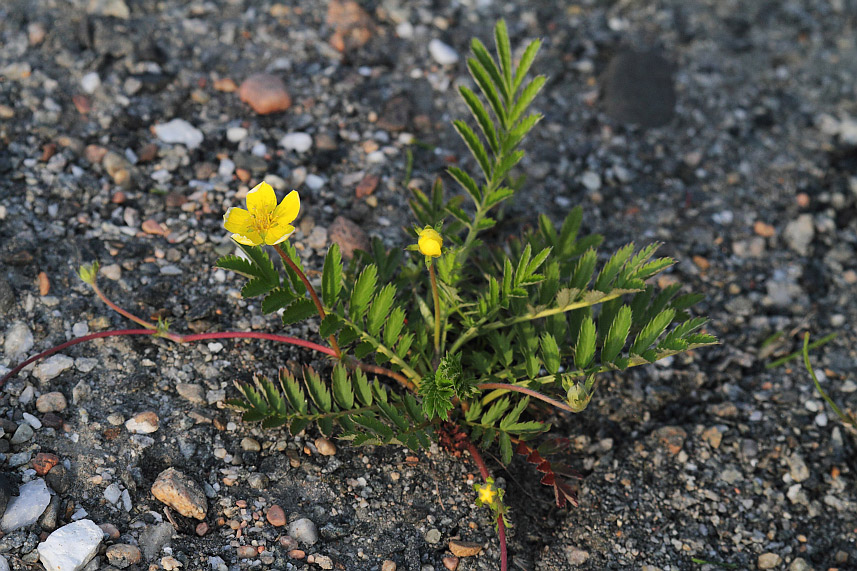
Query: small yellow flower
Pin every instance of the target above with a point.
(487, 493)
(430, 242)
(264, 221)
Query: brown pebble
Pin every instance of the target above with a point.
(148, 153)
(671, 437)
(367, 186)
(44, 461)
(201, 529)
(713, 436)
(763, 229)
(123, 555)
(352, 25)
(242, 174)
(52, 420)
(110, 530)
(145, 422)
(450, 563)
(464, 548)
(48, 151)
(246, 552)
(265, 94)
(297, 554)
(348, 236)
(81, 103)
(51, 402)
(276, 516)
(388, 565)
(288, 542)
(180, 493)
(151, 226)
(325, 447)
(225, 85)
(118, 197)
(701, 263)
(44, 284)
(94, 153)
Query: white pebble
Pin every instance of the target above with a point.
(70, 547)
(179, 131)
(298, 142)
(25, 508)
(80, 329)
(442, 53)
(226, 168)
(90, 82)
(314, 182)
(19, 340)
(236, 134)
(215, 347)
(591, 180)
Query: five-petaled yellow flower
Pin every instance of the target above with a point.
(430, 242)
(264, 221)
(487, 493)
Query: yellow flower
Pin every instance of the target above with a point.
(487, 493)
(264, 221)
(430, 242)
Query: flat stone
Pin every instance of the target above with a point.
(179, 131)
(304, 531)
(265, 93)
(769, 561)
(70, 547)
(52, 367)
(51, 402)
(143, 423)
(298, 142)
(276, 516)
(123, 555)
(23, 433)
(348, 236)
(180, 493)
(25, 509)
(450, 563)
(192, 392)
(19, 340)
(638, 88)
(442, 53)
(464, 548)
(432, 536)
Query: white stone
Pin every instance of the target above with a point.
(19, 340)
(112, 493)
(226, 168)
(32, 421)
(25, 509)
(70, 547)
(4, 565)
(236, 134)
(405, 30)
(179, 131)
(90, 82)
(298, 142)
(52, 367)
(80, 329)
(799, 233)
(591, 180)
(314, 182)
(304, 531)
(442, 53)
(26, 396)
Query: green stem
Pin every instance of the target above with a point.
(437, 309)
(291, 263)
(387, 352)
(526, 391)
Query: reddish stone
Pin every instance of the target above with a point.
(265, 94)
(43, 462)
(367, 186)
(348, 236)
(276, 516)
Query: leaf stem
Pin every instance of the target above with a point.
(288, 260)
(526, 391)
(437, 309)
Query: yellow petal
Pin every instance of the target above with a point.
(237, 220)
(261, 199)
(288, 209)
(250, 239)
(278, 232)
(430, 243)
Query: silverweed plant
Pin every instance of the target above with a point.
(453, 340)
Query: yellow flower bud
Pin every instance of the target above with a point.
(430, 243)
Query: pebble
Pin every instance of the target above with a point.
(111, 272)
(44, 462)
(265, 94)
(258, 481)
(19, 340)
(123, 555)
(304, 531)
(90, 82)
(432, 536)
(322, 561)
(34, 422)
(170, 563)
(442, 53)
(250, 444)
(638, 88)
(769, 560)
(317, 238)
(276, 516)
(325, 447)
(464, 548)
(59, 479)
(143, 423)
(799, 234)
(671, 437)
(450, 563)
(246, 552)
(388, 565)
(800, 564)
(348, 236)
(180, 493)
(192, 392)
(576, 556)
(179, 131)
(70, 547)
(314, 182)
(591, 180)
(112, 493)
(49, 518)
(22, 434)
(113, 8)
(7, 488)
(298, 142)
(51, 402)
(798, 470)
(52, 367)
(236, 134)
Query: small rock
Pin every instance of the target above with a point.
(298, 142)
(192, 392)
(276, 516)
(22, 434)
(59, 479)
(348, 236)
(798, 470)
(112, 493)
(638, 88)
(799, 233)
(800, 564)
(769, 560)
(52, 367)
(44, 462)
(464, 548)
(250, 444)
(170, 563)
(180, 493)
(317, 238)
(258, 481)
(304, 531)
(367, 185)
(450, 563)
(325, 447)
(154, 538)
(265, 94)
(113, 8)
(201, 529)
(90, 82)
(246, 552)
(352, 25)
(322, 561)
(7, 488)
(179, 131)
(143, 423)
(432, 536)
(442, 53)
(388, 565)
(70, 547)
(123, 555)
(51, 402)
(19, 340)
(51, 515)
(591, 180)
(713, 436)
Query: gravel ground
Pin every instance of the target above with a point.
(726, 129)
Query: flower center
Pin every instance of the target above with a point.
(262, 219)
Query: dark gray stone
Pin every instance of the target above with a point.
(638, 88)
